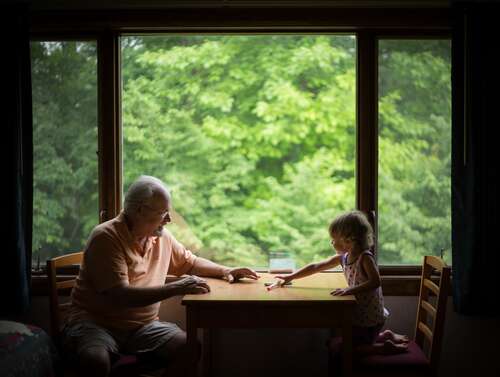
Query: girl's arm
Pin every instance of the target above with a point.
(311, 269)
(373, 282)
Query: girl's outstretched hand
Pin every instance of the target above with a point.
(341, 292)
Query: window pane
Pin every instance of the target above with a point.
(255, 135)
(64, 85)
(414, 150)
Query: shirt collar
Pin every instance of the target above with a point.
(124, 230)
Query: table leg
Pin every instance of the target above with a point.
(207, 353)
(192, 340)
(347, 346)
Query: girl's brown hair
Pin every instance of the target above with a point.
(355, 226)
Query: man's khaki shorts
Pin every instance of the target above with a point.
(81, 335)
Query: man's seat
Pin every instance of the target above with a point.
(126, 365)
(422, 358)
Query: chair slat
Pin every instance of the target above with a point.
(435, 262)
(67, 259)
(428, 308)
(425, 330)
(55, 287)
(65, 284)
(432, 286)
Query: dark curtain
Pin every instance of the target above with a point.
(17, 148)
(475, 158)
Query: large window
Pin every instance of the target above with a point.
(414, 180)
(254, 134)
(64, 85)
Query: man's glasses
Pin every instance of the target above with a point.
(160, 214)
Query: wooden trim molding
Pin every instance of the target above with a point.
(109, 104)
(305, 18)
(366, 125)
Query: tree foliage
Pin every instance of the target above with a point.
(65, 208)
(255, 136)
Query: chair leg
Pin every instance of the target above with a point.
(330, 364)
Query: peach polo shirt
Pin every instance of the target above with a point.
(112, 256)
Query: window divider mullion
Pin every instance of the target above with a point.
(367, 126)
(109, 107)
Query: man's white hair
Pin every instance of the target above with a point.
(141, 191)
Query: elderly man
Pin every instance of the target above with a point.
(115, 303)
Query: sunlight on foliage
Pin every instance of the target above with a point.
(256, 137)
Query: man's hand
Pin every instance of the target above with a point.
(191, 285)
(235, 274)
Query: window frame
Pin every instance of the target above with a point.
(369, 26)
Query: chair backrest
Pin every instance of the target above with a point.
(431, 313)
(57, 287)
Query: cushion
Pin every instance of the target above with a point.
(132, 365)
(27, 351)
(124, 361)
(411, 363)
(413, 358)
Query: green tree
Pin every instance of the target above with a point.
(247, 130)
(255, 136)
(415, 150)
(64, 81)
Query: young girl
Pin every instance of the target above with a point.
(352, 237)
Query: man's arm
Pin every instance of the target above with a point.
(205, 267)
(128, 296)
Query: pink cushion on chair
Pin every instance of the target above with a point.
(125, 360)
(135, 366)
(411, 363)
(413, 358)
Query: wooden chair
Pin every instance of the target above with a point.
(422, 358)
(126, 365)
(57, 288)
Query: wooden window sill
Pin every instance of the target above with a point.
(392, 285)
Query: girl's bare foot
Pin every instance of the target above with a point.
(392, 336)
(391, 348)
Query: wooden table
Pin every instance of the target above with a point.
(307, 303)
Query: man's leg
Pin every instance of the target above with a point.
(166, 343)
(177, 355)
(94, 361)
(88, 346)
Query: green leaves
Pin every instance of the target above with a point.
(65, 208)
(256, 137)
(414, 150)
(251, 127)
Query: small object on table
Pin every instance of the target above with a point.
(276, 284)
